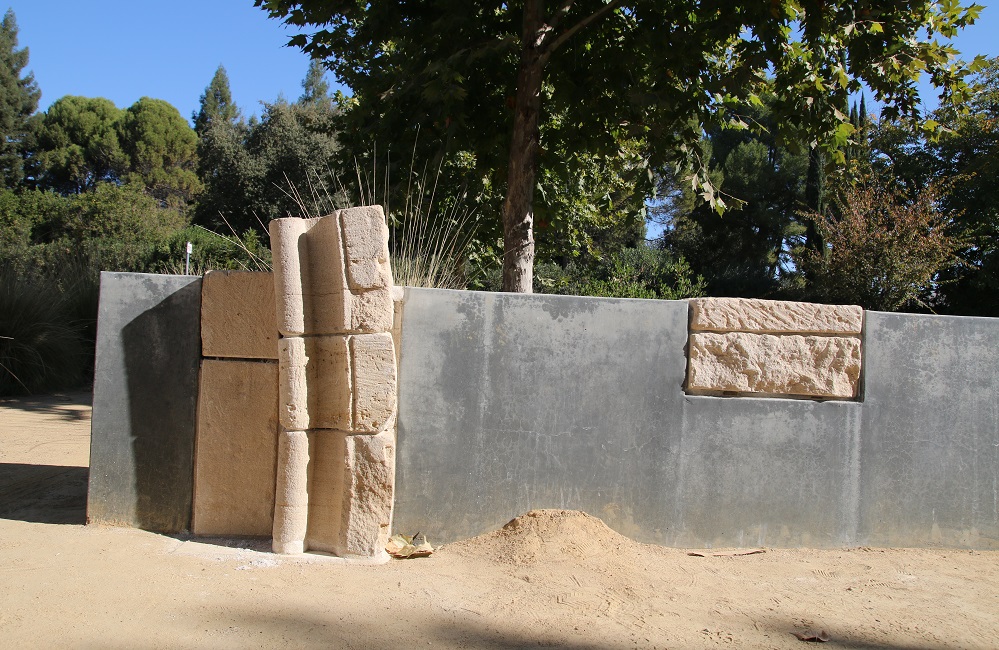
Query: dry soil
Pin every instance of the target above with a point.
(549, 578)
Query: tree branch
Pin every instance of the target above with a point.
(551, 46)
(560, 13)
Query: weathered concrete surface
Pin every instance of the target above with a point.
(811, 366)
(930, 452)
(236, 449)
(511, 402)
(237, 315)
(773, 316)
(145, 399)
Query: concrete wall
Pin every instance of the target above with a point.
(511, 402)
(145, 400)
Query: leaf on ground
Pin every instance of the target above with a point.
(408, 546)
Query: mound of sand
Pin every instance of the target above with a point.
(545, 536)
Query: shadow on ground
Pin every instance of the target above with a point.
(46, 494)
(71, 406)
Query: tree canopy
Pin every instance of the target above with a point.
(491, 74)
(19, 96)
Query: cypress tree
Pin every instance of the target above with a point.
(216, 104)
(19, 96)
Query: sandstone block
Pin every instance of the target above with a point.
(236, 448)
(293, 389)
(237, 315)
(374, 381)
(324, 261)
(290, 524)
(329, 383)
(811, 366)
(327, 451)
(366, 243)
(368, 493)
(292, 484)
(773, 316)
(371, 311)
(328, 313)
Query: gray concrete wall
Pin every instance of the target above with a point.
(145, 401)
(511, 402)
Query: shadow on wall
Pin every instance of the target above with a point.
(162, 409)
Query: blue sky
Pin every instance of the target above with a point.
(123, 50)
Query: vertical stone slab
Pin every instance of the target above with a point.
(365, 236)
(374, 378)
(329, 383)
(145, 401)
(288, 247)
(237, 315)
(368, 494)
(236, 451)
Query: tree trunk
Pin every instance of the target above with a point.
(518, 207)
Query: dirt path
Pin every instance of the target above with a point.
(552, 579)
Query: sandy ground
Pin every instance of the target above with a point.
(550, 579)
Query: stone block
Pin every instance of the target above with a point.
(810, 366)
(290, 524)
(374, 381)
(365, 235)
(327, 453)
(236, 448)
(323, 262)
(371, 311)
(328, 313)
(293, 389)
(237, 315)
(289, 248)
(368, 494)
(329, 383)
(773, 317)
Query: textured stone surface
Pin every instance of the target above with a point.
(374, 374)
(329, 383)
(293, 388)
(327, 453)
(366, 243)
(236, 448)
(288, 246)
(368, 493)
(291, 496)
(773, 316)
(815, 366)
(237, 315)
(371, 311)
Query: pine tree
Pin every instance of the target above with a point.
(216, 104)
(18, 100)
(316, 90)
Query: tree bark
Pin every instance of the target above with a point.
(518, 207)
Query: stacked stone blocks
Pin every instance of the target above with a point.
(236, 445)
(337, 383)
(743, 346)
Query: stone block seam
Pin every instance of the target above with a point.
(770, 348)
(337, 383)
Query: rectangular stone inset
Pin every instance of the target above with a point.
(237, 315)
(329, 382)
(327, 454)
(809, 366)
(366, 242)
(236, 448)
(374, 375)
(773, 316)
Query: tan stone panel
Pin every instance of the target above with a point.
(809, 366)
(236, 448)
(374, 381)
(237, 315)
(366, 243)
(328, 454)
(368, 493)
(328, 313)
(329, 383)
(773, 316)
